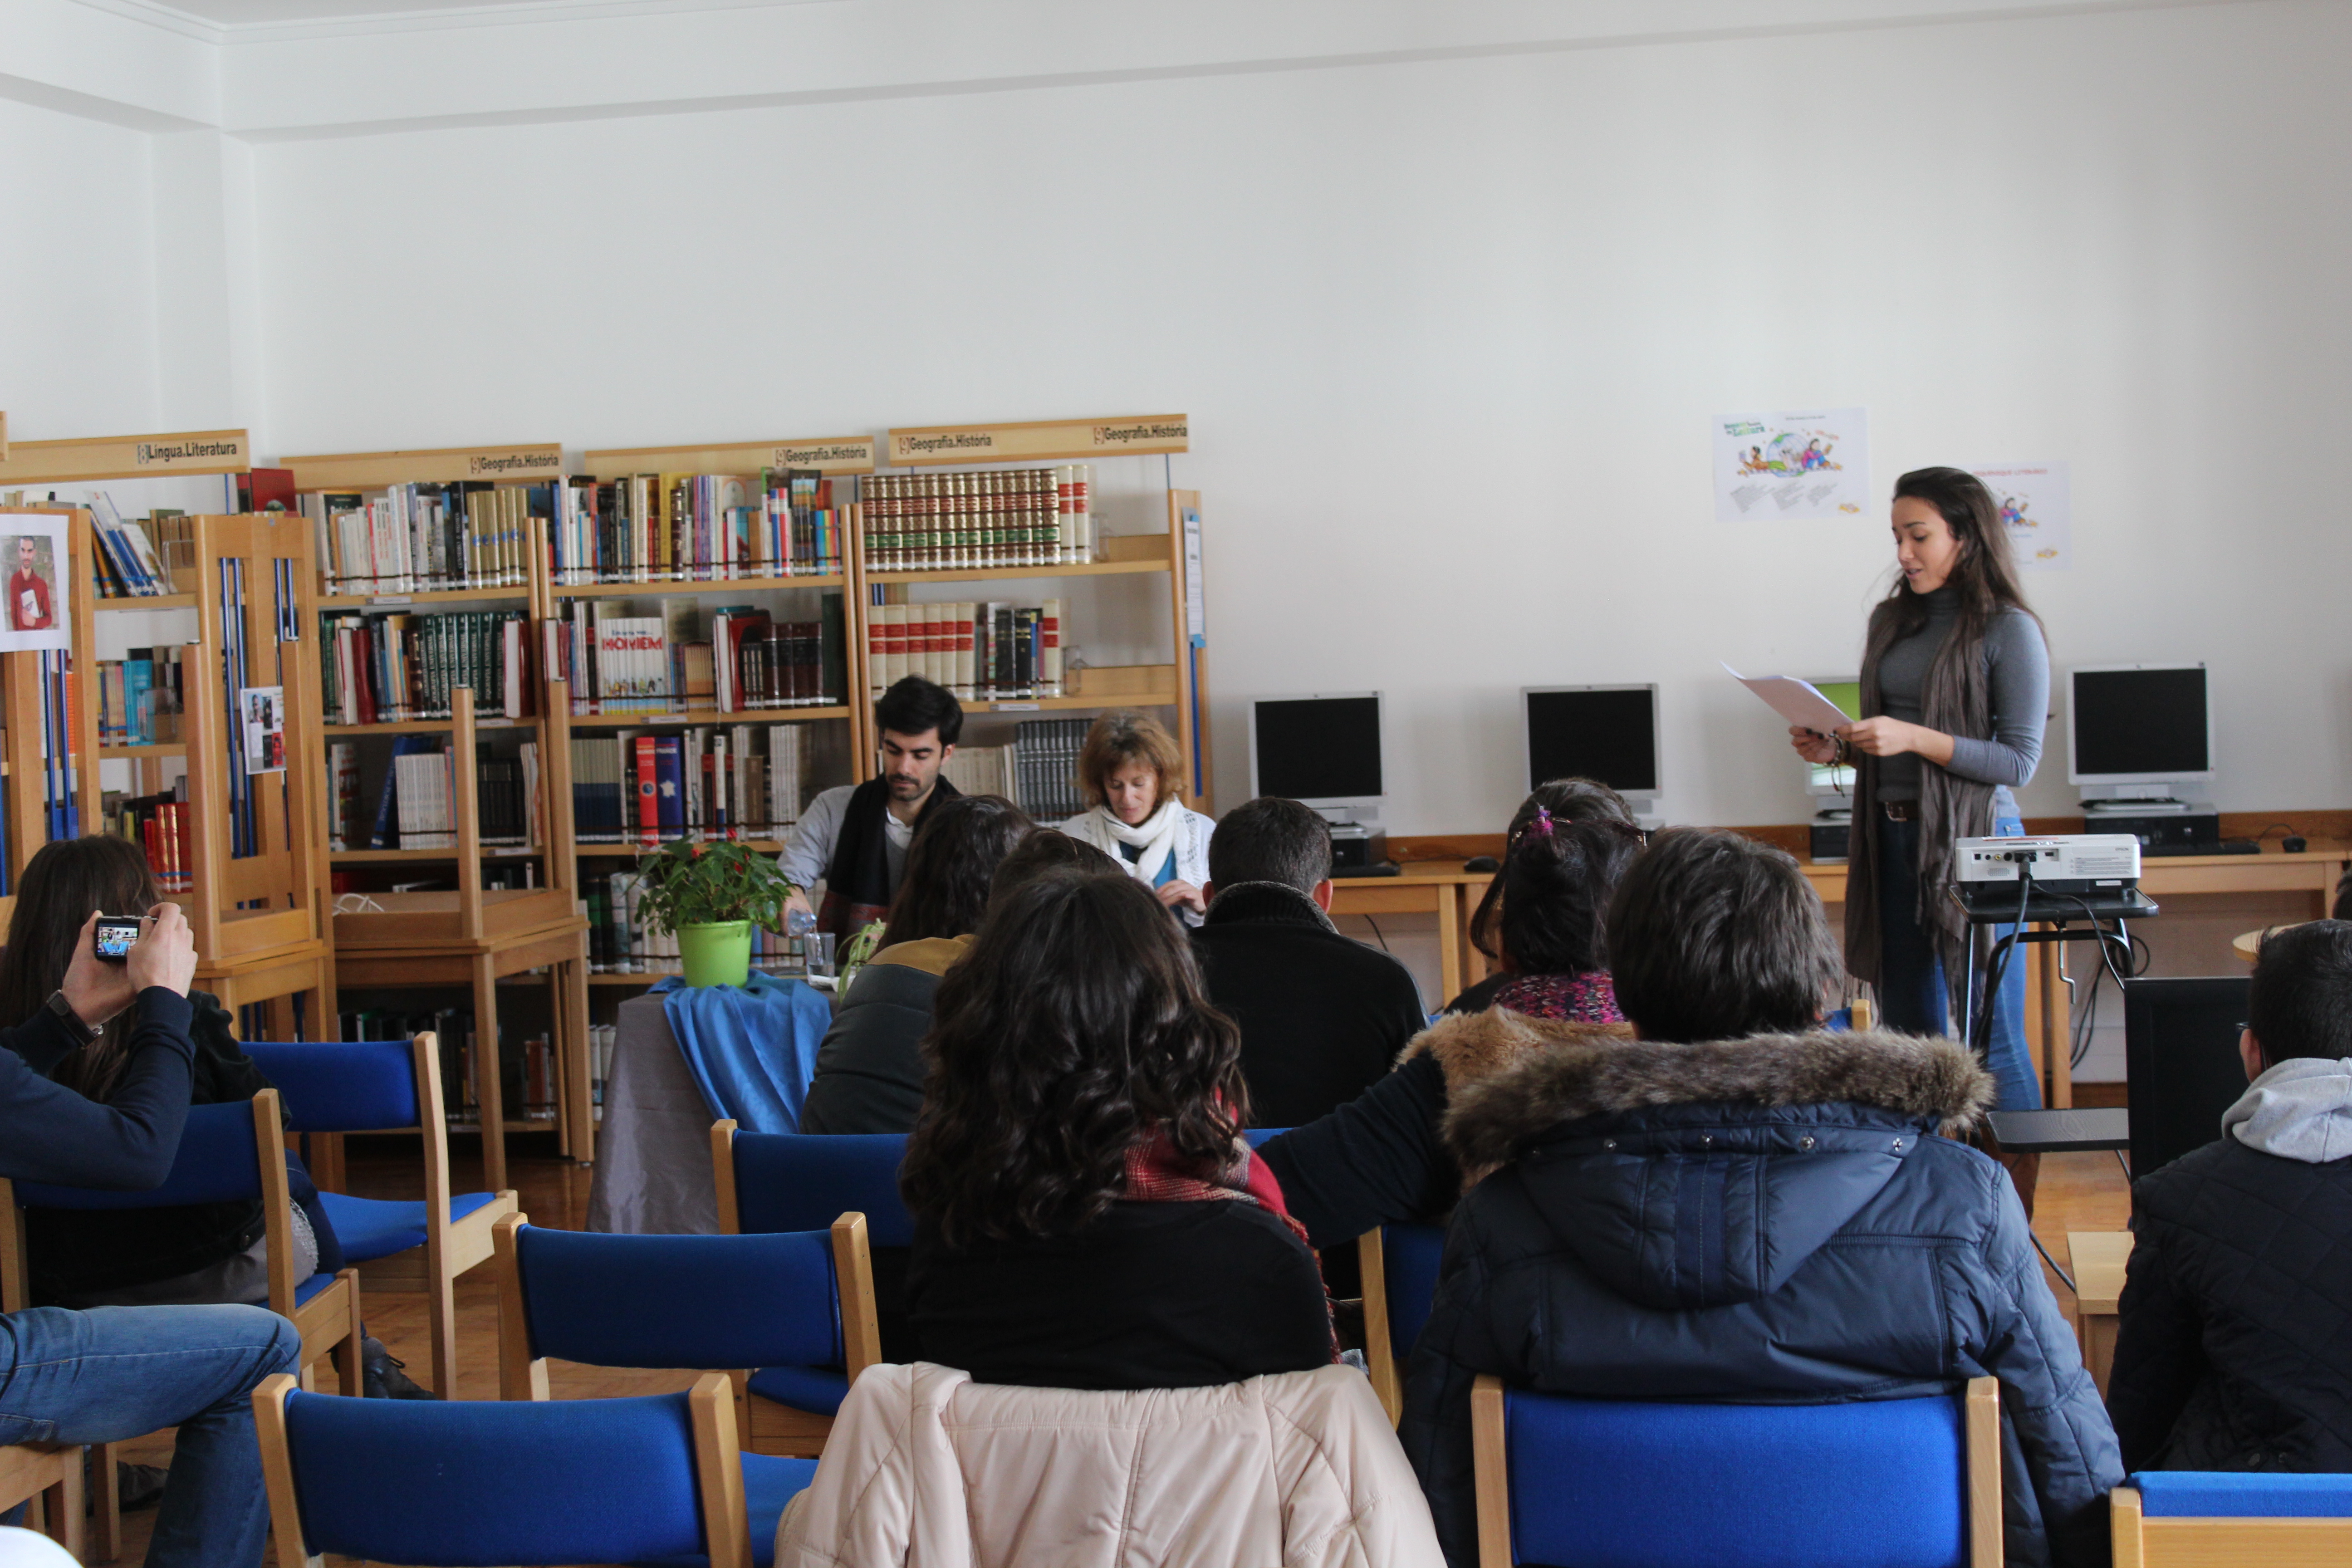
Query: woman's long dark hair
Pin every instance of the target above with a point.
(1561, 889)
(1073, 1028)
(63, 882)
(955, 852)
(1984, 576)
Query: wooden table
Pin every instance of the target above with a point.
(1440, 887)
(2098, 1258)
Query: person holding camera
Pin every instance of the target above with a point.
(72, 1377)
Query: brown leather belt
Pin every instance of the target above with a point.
(1900, 810)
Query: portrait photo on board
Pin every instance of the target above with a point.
(33, 546)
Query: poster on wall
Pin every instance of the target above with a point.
(2033, 506)
(1792, 466)
(33, 546)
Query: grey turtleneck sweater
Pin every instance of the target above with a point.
(2018, 666)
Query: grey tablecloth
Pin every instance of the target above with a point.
(653, 1152)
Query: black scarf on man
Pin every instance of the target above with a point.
(857, 889)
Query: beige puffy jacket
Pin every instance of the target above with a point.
(926, 1469)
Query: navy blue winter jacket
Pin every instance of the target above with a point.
(1768, 1220)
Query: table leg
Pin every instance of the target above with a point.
(2057, 1038)
(1449, 942)
(580, 1114)
(488, 1097)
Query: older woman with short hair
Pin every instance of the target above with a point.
(1132, 777)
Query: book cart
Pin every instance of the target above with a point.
(467, 935)
(834, 733)
(251, 879)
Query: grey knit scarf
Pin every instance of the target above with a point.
(1958, 702)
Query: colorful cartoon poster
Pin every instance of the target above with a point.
(33, 547)
(1792, 466)
(2033, 499)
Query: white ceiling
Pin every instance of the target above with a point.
(283, 12)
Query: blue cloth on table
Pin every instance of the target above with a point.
(751, 1047)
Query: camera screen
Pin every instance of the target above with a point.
(116, 938)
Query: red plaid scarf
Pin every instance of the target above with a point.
(1155, 1174)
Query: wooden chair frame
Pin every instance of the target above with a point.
(451, 1248)
(769, 1427)
(1379, 1356)
(522, 1376)
(329, 1322)
(2223, 1542)
(718, 1463)
(49, 1477)
(1980, 1443)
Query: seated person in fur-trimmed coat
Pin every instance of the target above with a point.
(1850, 1253)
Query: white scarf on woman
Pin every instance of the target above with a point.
(1154, 838)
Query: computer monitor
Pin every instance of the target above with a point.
(2133, 730)
(1322, 750)
(1829, 778)
(1605, 732)
(2180, 1058)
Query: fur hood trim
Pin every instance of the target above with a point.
(1473, 1046)
(1938, 1079)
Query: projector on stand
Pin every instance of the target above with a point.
(2081, 863)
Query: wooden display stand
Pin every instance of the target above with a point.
(473, 935)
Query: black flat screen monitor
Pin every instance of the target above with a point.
(2180, 1056)
(2139, 724)
(1605, 732)
(1323, 751)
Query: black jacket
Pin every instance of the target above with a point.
(2234, 1353)
(1152, 1295)
(870, 1067)
(49, 1134)
(1844, 1252)
(1322, 1015)
(73, 1251)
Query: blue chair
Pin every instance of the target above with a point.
(771, 1182)
(2200, 1518)
(1400, 1268)
(459, 1483)
(1898, 1483)
(369, 1086)
(801, 1299)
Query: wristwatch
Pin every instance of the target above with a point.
(85, 1033)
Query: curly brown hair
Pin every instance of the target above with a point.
(1126, 736)
(1074, 1027)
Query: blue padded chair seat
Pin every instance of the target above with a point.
(1858, 1485)
(378, 1227)
(816, 1389)
(2228, 1494)
(769, 1482)
(311, 1287)
(1409, 1255)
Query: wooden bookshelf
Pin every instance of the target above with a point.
(672, 589)
(692, 716)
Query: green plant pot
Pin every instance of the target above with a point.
(716, 955)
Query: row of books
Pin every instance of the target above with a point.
(988, 652)
(387, 667)
(426, 538)
(138, 699)
(416, 807)
(159, 824)
(697, 528)
(1002, 516)
(738, 781)
(1038, 772)
(620, 942)
(527, 1071)
(731, 660)
(126, 564)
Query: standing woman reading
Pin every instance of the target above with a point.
(1955, 689)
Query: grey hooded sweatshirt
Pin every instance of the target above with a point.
(2235, 1347)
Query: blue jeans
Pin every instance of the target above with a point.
(122, 1372)
(1912, 993)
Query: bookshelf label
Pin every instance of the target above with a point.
(128, 456)
(441, 465)
(850, 456)
(827, 454)
(1041, 438)
(1015, 706)
(529, 463)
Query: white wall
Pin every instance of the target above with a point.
(1450, 335)
(76, 276)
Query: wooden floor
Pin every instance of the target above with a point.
(2078, 1192)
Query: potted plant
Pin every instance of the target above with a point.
(711, 895)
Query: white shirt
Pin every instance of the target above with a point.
(808, 850)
